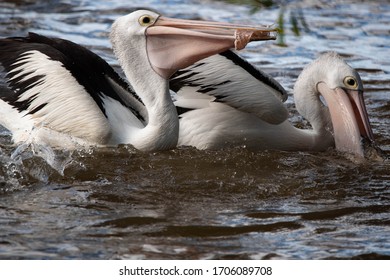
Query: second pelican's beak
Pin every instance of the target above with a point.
(174, 44)
(349, 118)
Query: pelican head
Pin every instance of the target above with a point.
(173, 44)
(342, 88)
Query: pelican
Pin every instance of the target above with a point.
(60, 93)
(244, 106)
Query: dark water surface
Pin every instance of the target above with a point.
(118, 203)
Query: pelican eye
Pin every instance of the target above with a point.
(146, 20)
(350, 82)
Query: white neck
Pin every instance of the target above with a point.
(162, 130)
(309, 105)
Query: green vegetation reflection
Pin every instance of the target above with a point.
(287, 14)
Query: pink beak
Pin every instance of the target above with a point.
(174, 44)
(349, 118)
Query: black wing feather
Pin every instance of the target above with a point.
(227, 78)
(90, 70)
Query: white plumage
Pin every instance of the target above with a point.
(63, 96)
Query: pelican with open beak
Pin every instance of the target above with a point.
(59, 90)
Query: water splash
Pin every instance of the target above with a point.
(56, 159)
(11, 177)
(30, 162)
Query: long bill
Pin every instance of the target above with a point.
(174, 44)
(349, 118)
(359, 106)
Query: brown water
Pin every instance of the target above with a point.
(118, 203)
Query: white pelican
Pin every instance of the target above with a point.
(60, 93)
(228, 103)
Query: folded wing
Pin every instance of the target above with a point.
(229, 79)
